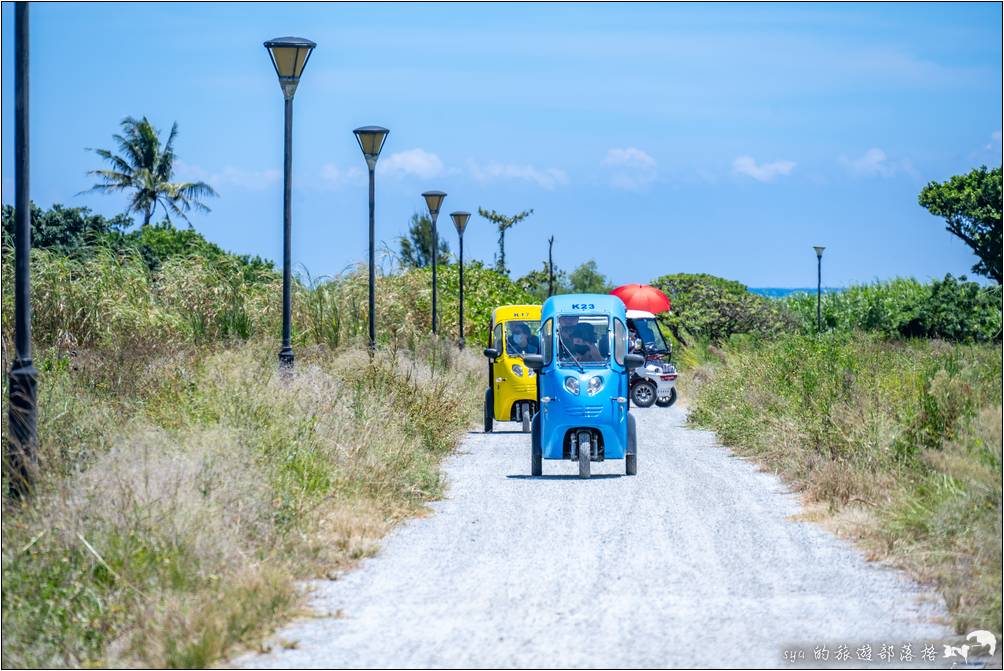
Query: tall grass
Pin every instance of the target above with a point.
(900, 441)
(184, 486)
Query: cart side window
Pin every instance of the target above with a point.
(620, 342)
(521, 337)
(497, 338)
(547, 341)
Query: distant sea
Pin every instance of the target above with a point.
(781, 292)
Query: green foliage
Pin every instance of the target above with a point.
(536, 284)
(971, 207)
(712, 308)
(144, 169)
(66, 230)
(416, 248)
(951, 309)
(503, 222)
(587, 279)
(910, 428)
(158, 243)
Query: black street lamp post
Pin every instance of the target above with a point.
(434, 200)
(460, 221)
(371, 139)
(23, 379)
(819, 288)
(289, 57)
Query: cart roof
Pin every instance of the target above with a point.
(583, 304)
(504, 313)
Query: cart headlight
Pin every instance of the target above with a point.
(572, 385)
(594, 386)
(516, 368)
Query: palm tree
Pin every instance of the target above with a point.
(145, 168)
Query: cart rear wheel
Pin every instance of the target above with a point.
(489, 410)
(525, 412)
(643, 394)
(631, 458)
(536, 451)
(585, 451)
(667, 401)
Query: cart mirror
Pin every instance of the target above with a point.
(632, 361)
(533, 361)
(491, 353)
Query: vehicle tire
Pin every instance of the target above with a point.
(585, 452)
(631, 458)
(643, 394)
(667, 401)
(525, 412)
(536, 450)
(489, 410)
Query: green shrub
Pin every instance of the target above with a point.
(951, 309)
(711, 308)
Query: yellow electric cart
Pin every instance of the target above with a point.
(511, 395)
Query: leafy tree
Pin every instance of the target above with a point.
(503, 223)
(66, 230)
(535, 282)
(587, 279)
(971, 206)
(416, 248)
(145, 168)
(715, 308)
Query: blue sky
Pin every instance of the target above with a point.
(726, 139)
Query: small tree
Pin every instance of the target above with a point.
(971, 206)
(587, 279)
(503, 222)
(539, 282)
(416, 247)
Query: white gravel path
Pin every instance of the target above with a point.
(693, 562)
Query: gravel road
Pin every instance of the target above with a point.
(694, 562)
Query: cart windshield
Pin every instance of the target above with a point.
(583, 339)
(521, 337)
(649, 333)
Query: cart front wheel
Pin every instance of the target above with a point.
(489, 410)
(631, 458)
(536, 451)
(525, 412)
(585, 451)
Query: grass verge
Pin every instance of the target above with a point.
(182, 493)
(898, 442)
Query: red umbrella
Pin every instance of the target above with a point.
(642, 297)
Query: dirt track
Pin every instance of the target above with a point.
(693, 562)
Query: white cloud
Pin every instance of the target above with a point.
(332, 175)
(417, 162)
(631, 157)
(872, 163)
(634, 169)
(546, 178)
(229, 176)
(995, 141)
(762, 172)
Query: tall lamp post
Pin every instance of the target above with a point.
(819, 288)
(289, 57)
(23, 378)
(434, 200)
(460, 221)
(371, 139)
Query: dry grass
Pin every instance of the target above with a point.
(894, 444)
(179, 505)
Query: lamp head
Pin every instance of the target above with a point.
(371, 139)
(433, 200)
(289, 56)
(819, 252)
(460, 221)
